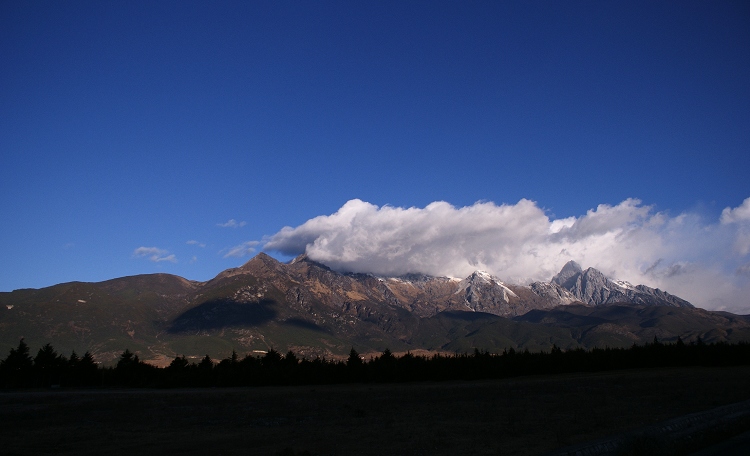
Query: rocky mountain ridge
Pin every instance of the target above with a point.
(594, 288)
(481, 292)
(305, 306)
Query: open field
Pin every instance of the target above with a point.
(529, 415)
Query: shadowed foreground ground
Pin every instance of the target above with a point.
(530, 415)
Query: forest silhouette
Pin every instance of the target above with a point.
(49, 369)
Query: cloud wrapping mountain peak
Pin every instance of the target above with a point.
(519, 243)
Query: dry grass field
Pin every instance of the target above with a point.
(519, 416)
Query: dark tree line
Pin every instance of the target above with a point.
(50, 369)
(47, 368)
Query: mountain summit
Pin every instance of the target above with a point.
(569, 271)
(594, 288)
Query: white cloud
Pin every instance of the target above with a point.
(196, 243)
(738, 214)
(682, 254)
(739, 217)
(244, 249)
(231, 223)
(154, 254)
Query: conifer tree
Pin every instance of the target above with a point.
(46, 358)
(48, 366)
(271, 359)
(126, 360)
(206, 363)
(74, 359)
(179, 363)
(87, 371)
(354, 360)
(15, 370)
(291, 359)
(18, 358)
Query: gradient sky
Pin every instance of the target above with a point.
(179, 137)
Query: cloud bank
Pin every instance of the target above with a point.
(705, 262)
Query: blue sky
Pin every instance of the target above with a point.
(133, 133)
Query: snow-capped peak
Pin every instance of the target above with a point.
(487, 278)
(484, 275)
(624, 284)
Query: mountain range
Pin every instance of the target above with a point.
(306, 307)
